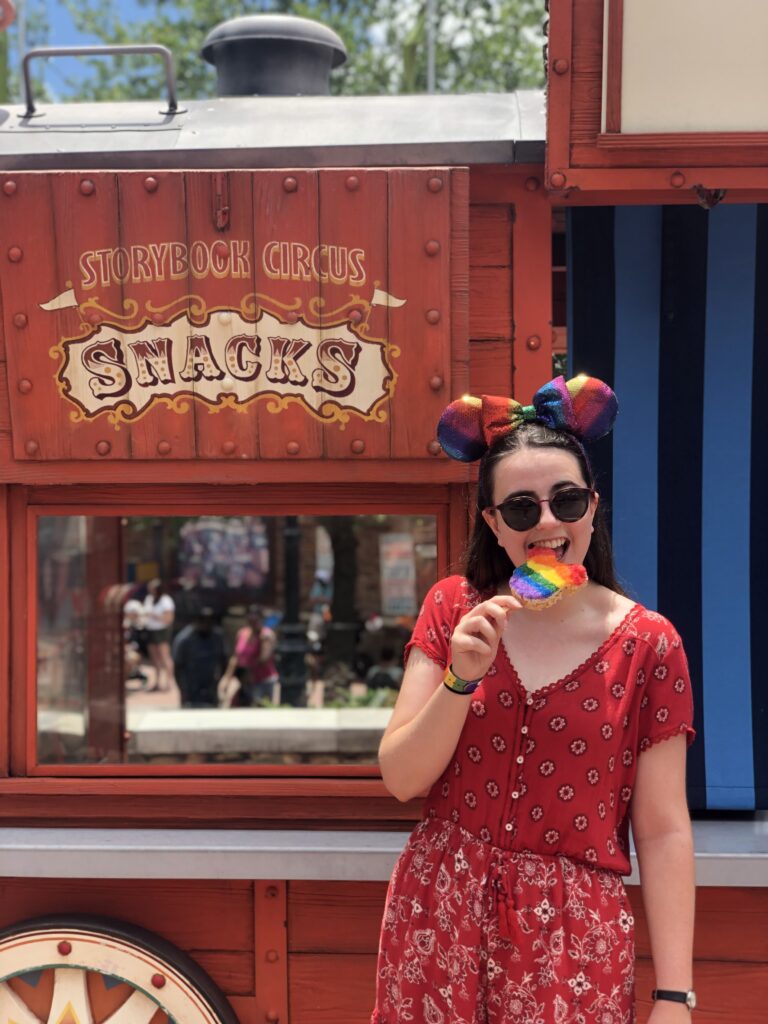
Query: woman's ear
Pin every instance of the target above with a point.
(490, 519)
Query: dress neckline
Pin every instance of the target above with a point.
(542, 691)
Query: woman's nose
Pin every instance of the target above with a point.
(547, 519)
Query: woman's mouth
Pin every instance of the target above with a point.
(557, 545)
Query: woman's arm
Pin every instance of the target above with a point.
(661, 828)
(427, 721)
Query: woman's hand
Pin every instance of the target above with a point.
(476, 639)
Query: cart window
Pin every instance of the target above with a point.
(224, 639)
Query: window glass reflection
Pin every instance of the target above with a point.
(224, 639)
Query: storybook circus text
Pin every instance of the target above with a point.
(122, 362)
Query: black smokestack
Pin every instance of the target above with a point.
(273, 55)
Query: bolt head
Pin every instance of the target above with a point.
(228, 447)
(290, 184)
(533, 344)
(151, 184)
(20, 320)
(557, 179)
(432, 247)
(293, 447)
(434, 448)
(24, 385)
(436, 382)
(561, 66)
(677, 180)
(433, 316)
(163, 447)
(532, 184)
(158, 981)
(352, 183)
(435, 184)
(103, 447)
(87, 187)
(9, 187)
(31, 447)
(358, 446)
(355, 316)
(64, 948)
(15, 254)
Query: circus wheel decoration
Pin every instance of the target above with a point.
(65, 970)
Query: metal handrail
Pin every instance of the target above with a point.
(101, 51)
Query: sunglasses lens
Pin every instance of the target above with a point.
(520, 513)
(570, 506)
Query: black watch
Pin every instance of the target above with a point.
(689, 997)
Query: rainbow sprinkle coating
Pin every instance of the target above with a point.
(542, 580)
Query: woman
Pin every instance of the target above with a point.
(535, 751)
(253, 664)
(159, 613)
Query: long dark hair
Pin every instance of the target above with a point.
(487, 564)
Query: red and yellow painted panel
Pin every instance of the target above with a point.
(240, 314)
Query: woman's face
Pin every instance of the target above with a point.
(540, 473)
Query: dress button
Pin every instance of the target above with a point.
(529, 701)
(508, 826)
(520, 758)
(524, 730)
(515, 795)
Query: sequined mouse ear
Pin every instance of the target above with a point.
(460, 429)
(594, 407)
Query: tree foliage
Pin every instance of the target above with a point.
(481, 45)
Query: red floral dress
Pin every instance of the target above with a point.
(507, 905)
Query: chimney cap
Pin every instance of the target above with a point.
(274, 26)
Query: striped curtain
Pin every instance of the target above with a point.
(670, 306)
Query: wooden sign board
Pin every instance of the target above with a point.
(245, 314)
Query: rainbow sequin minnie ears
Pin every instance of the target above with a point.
(584, 406)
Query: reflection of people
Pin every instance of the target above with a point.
(529, 781)
(199, 660)
(135, 639)
(253, 662)
(159, 612)
(386, 672)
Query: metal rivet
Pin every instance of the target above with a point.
(271, 892)
(272, 956)
(87, 187)
(532, 184)
(158, 318)
(94, 317)
(64, 947)
(355, 316)
(292, 447)
(103, 447)
(151, 184)
(677, 180)
(435, 184)
(433, 316)
(9, 187)
(436, 382)
(290, 184)
(228, 447)
(271, 1017)
(352, 183)
(533, 344)
(358, 446)
(31, 447)
(163, 447)
(24, 385)
(434, 448)
(158, 980)
(20, 320)
(15, 254)
(432, 247)
(292, 317)
(557, 179)
(560, 66)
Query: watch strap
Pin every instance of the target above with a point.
(672, 996)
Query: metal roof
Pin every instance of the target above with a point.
(278, 131)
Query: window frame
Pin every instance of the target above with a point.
(447, 503)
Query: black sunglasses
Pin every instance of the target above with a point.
(524, 512)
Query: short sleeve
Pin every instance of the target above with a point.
(443, 606)
(666, 707)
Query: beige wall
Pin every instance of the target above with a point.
(694, 65)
